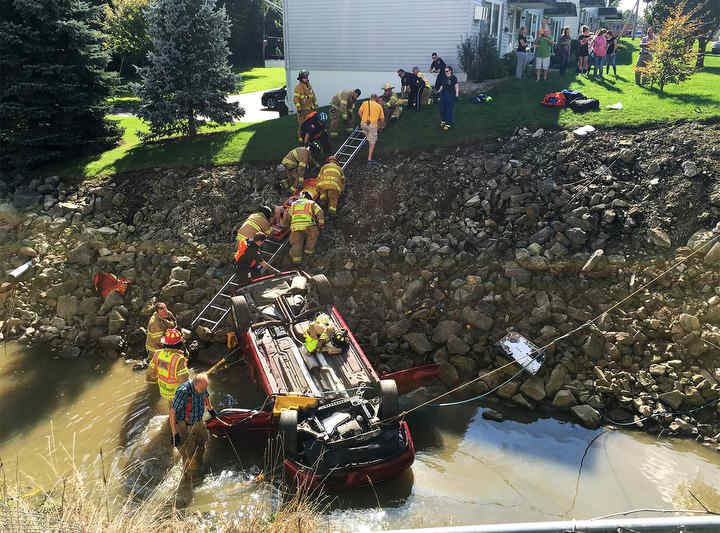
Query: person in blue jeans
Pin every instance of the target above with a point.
(610, 53)
(449, 91)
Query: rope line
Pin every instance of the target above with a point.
(536, 352)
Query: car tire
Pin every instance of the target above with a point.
(271, 104)
(323, 289)
(389, 398)
(283, 109)
(240, 315)
(287, 432)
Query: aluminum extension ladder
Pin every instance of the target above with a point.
(217, 309)
(349, 149)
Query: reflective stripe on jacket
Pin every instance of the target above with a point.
(156, 329)
(331, 175)
(342, 101)
(304, 98)
(172, 371)
(256, 222)
(297, 158)
(305, 213)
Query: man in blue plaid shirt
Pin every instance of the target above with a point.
(189, 434)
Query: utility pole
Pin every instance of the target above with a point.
(635, 21)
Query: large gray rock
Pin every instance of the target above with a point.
(477, 319)
(564, 399)
(399, 328)
(9, 216)
(116, 322)
(67, 306)
(111, 342)
(418, 342)
(444, 330)
(534, 388)
(90, 306)
(455, 345)
(343, 280)
(689, 322)
(466, 367)
(83, 254)
(448, 374)
(173, 290)
(587, 415)
(179, 273)
(672, 399)
(113, 299)
(659, 238)
(194, 296)
(713, 256)
(558, 377)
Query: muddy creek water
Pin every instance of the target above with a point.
(468, 469)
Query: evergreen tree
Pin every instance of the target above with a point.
(246, 31)
(54, 85)
(188, 74)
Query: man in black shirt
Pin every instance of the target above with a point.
(248, 260)
(313, 129)
(438, 65)
(412, 87)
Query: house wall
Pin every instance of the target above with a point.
(347, 44)
(527, 16)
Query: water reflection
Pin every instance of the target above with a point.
(468, 469)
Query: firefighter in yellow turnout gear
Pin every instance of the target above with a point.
(318, 335)
(341, 111)
(392, 105)
(295, 164)
(330, 184)
(305, 218)
(257, 222)
(170, 364)
(304, 99)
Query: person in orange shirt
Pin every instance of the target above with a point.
(372, 120)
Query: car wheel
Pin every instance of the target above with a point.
(323, 289)
(287, 432)
(240, 314)
(283, 109)
(390, 403)
(271, 103)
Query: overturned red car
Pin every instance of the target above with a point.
(336, 419)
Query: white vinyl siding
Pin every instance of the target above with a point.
(373, 35)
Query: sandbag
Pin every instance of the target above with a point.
(583, 105)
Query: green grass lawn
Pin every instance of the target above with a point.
(261, 79)
(515, 103)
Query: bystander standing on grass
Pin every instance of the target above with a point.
(610, 55)
(564, 49)
(599, 48)
(449, 91)
(543, 48)
(522, 53)
(584, 51)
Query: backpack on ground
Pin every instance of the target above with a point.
(554, 100)
(572, 95)
(583, 105)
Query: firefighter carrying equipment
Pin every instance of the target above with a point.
(257, 222)
(318, 335)
(171, 366)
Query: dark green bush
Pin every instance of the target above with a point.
(478, 57)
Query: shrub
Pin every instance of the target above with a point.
(673, 58)
(478, 57)
(128, 39)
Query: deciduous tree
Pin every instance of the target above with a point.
(128, 38)
(705, 13)
(188, 76)
(673, 58)
(54, 84)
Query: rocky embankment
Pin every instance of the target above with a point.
(434, 256)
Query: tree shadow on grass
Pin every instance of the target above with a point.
(710, 70)
(687, 99)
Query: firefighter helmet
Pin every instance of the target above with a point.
(315, 149)
(172, 337)
(259, 237)
(306, 194)
(322, 116)
(303, 74)
(266, 211)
